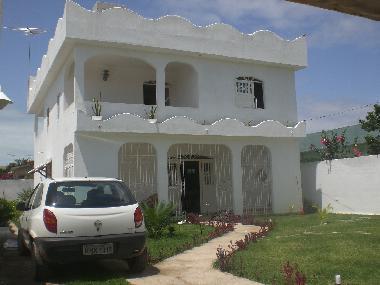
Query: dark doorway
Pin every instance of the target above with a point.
(191, 187)
(149, 92)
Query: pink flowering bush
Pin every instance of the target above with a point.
(356, 151)
(333, 146)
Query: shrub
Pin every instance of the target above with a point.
(333, 146)
(8, 211)
(157, 218)
(24, 195)
(292, 275)
(224, 256)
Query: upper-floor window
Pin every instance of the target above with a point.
(249, 92)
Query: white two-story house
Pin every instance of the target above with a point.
(226, 135)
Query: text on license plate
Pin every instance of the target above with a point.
(93, 249)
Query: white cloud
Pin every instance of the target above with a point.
(280, 13)
(343, 29)
(325, 28)
(16, 135)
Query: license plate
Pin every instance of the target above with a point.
(94, 249)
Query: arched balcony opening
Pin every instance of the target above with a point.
(181, 85)
(118, 81)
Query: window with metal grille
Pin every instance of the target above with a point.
(207, 173)
(249, 93)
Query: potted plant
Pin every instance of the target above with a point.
(151, 114)
(97, 108)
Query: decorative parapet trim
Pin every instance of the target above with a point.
(121, 25)
(182, 125)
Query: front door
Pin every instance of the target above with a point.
(191, 187)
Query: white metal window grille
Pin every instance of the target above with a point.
(257, 180)
(68, 161)
(249, 93)
(173, 174)
(137, 168)
(215, 175)
(207, 173)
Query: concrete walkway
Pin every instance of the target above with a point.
(195, 266)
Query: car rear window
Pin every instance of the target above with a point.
(88, 194)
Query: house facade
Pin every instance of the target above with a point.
(226, 135)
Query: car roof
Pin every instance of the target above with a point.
(68, 179)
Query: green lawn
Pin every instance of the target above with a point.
(348, 245)
(187, 234)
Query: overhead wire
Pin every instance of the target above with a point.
(335, 114)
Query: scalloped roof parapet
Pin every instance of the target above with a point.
(121, 25)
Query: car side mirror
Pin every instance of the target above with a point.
(21, 206)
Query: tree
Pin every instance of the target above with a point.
(372, 124)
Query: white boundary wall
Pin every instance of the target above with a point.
(10, 188)
(350, 185)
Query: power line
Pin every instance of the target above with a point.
(335, 114)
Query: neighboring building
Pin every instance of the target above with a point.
(226, 136)
(21, 171)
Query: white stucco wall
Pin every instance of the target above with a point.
(51, 140)
(214, 85)
(350, 185)
(10, 188)
(97, 155)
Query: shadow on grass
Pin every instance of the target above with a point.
(99, 272)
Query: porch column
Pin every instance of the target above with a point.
(160, 88)
(237, 184)
(162, 172)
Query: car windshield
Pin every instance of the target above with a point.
(88, 194)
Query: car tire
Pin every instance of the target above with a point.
(138, 264)
(21, 247)
(41, 269)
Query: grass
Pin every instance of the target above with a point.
(348, 245)
(184, 236)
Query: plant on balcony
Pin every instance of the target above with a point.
(97, 108)
(151, 114)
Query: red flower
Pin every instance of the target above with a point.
(340, 139)
(356, 151)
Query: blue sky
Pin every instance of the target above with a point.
(343, 71)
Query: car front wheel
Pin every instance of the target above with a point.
(138, 264)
